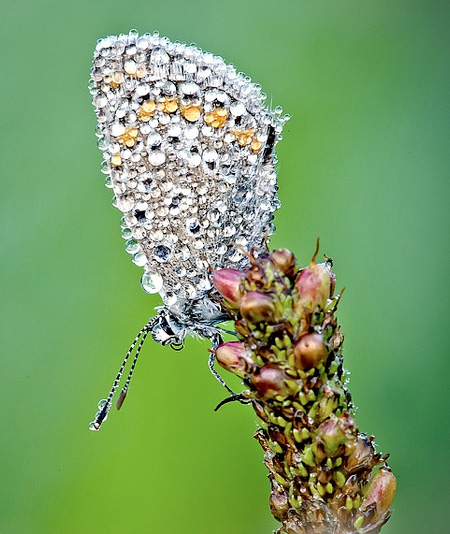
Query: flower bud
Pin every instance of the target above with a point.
(314, 287)
(329, 401)
(360, 455)
(310, 351)
(334, 432)
(270, 382)
(279, 504)
(284, 260)
(234, 357)
(228, 282)
(380, 490)
(256, 307)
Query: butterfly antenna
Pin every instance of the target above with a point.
(105, 404)
(124, 390)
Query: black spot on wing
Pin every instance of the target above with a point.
(268, 150)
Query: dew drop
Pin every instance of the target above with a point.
(139, 259)
(162, 253)
(156, 158)
(126, 233)
(132, 246)
(151, 282)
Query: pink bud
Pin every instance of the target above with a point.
(284, 260)
(380, 490)
(228, 282)
(270, 382)
(234, 357)
(310, 351)
(256, 307)
(314, 287)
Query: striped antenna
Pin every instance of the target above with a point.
(105, 404)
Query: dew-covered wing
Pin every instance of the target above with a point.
(188, 147)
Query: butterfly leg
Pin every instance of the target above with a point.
(216, 340)
(211, 360)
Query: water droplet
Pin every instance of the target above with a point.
(126, 233)
(132, 246)
(193, 226)
(142, 89)
(194, 160)
(124, 203)
(204, 284)
(229, 230)
(162, 253)
(151, 282)
(237, 109)
(213, 215)
(104, 167)
(117, 129)
(140, 259)
(156, 158)
(210, 155)
(190, 89)
(159, 56)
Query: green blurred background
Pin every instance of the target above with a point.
(363, 164)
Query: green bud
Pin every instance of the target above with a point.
(340, 479)
(308, 457)
(358, 523)
(331, 435)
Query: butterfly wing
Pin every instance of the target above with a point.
(188, 147)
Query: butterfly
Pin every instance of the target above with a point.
(189, 151)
